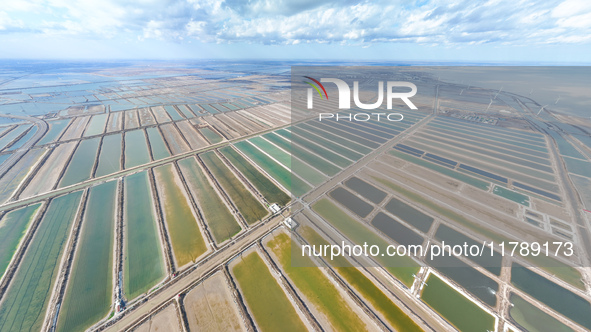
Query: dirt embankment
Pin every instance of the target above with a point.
(164, 238)
(20, 252)
(65, 265)
(167, 318)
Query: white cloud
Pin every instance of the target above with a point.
(308, 21)
(7, 23)
(570, 8)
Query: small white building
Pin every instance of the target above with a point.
(290, 223)
(275, 208)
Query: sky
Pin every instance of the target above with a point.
(512, 31)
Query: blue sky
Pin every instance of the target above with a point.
(462, 30)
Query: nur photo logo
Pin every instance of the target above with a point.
(344, 93)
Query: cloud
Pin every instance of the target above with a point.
(308, 21)
(573, 14)
(9, 24)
